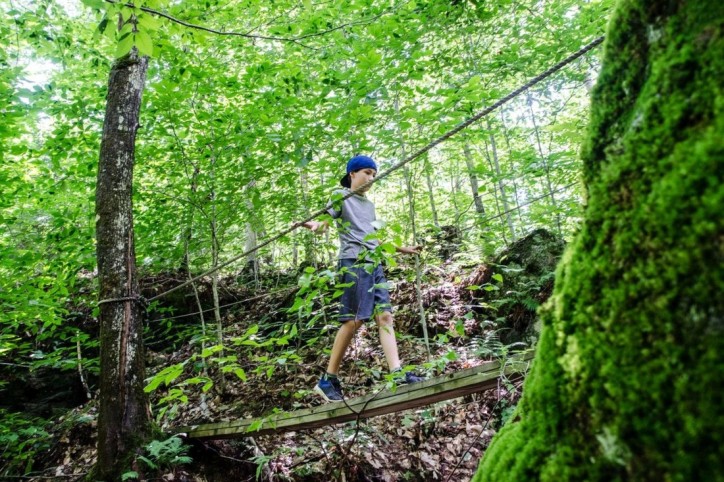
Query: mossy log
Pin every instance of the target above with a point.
(624, 384)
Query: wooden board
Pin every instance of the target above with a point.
(405, 397)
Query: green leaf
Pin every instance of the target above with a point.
(148, 22)
(144, 43)
(239, 372)
(255, 425)
(498, 277)
(125, 44)
(211, 350)
(97, 4)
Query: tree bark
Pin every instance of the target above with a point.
(123, 418)
(546, 165)
(430, 195)
(501, 186)
(623, 386)
(512, 166)
(474, 187)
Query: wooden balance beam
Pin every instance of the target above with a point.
(405, 397)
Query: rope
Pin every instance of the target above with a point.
(288, 290)
(500, 215)
(535, 80)
(138, 299)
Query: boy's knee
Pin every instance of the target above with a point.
(354, 323)
(385, 319)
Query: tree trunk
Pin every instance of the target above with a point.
(215, 252)
(123, 418)
(546, 165)
(411, 204)
(501, 186)
(252, 236)
(500, 213)
(623, 386)
(310, 239)
(430, 195)
(473, 180)
(512, 167)
(454, 188)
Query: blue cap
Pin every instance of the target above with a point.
(355, 164)
(360, 162)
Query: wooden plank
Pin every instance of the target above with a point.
(406, 397)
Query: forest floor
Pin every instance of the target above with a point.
(443, 441)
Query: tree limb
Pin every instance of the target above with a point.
(296, 40)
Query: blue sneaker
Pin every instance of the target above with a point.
(406, 378)
(329, 389)
(412, 378)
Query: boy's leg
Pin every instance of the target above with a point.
(389, 347)
(341, 342)
(387, 339)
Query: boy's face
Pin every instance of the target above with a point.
(363, 176)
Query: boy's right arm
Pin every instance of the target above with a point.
(315, 226)
(334, 209)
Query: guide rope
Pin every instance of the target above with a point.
(535, 80)
(137, 298)
(253, 298)
(290, 290)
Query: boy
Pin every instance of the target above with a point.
(366, 297)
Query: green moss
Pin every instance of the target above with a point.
(625, 383)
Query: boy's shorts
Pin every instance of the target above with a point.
(367, 296)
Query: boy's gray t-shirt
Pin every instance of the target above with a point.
(355, 217)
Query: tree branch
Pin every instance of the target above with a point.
(296, 40)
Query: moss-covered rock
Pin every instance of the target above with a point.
(624, 386)
(515, 283)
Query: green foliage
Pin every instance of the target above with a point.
(22, 439)
(631, 345)
(161, 454)
(249, 135)
(184, 376)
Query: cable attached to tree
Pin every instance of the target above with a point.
(137, 298)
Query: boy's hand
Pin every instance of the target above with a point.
(315, 226)
(409, 249)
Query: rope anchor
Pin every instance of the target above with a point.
(137, 298)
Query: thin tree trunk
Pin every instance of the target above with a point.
(544, 158)
(310, 255)
(418, 269)
(495, 192)
(252, 236)
(123, 419)
(214, 263)
(473, 181)
(454, 185)
(512, 163)
(430, 195)
(501, 187)
(186, 262)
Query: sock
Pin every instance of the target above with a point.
(329, 376)
(396, 370)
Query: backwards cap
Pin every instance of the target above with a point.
(355, 164)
